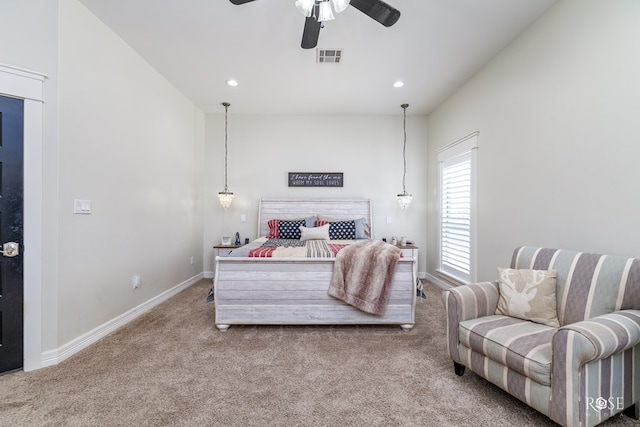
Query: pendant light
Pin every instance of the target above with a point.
(404, 198)
(226, 196)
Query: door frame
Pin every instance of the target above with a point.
(28, 85)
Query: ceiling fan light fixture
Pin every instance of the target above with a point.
(305, 7)
(324, 11)
(318, 11)
(340, 5)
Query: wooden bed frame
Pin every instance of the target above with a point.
(293, 291)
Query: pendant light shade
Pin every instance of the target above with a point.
(340, 5)
(226, 196)
(305, 7)
(404, 198)
(324, 11)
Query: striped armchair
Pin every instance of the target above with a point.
(578, 374)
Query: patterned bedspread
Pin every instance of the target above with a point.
(284, 248)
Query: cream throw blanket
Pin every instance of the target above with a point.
(363, 273)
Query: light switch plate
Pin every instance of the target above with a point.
(81, 206)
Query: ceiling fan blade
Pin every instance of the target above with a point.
(311, 33)
(239, 2)
(378, 10)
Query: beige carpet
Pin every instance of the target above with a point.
(172, 367)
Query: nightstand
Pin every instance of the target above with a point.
(223, 250)
(410, 251)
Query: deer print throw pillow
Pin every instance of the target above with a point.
(529, 295)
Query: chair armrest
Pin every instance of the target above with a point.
(578, 345)
(599, 337)
(464, 303)
(471, 301)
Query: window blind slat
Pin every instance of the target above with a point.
(455, 226)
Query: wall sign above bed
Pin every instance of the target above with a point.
(316, 179)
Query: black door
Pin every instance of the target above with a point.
(11, 282)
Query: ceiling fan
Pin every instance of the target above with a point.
(318, 11)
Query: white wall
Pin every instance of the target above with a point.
(557, 113)
(132, 144)
(115, 132)
(264, 148)
(30, 33)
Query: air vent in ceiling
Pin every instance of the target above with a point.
(333, 56)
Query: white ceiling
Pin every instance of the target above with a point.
(435, 46)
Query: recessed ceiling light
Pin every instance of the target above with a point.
(398, 84)
(232, 83)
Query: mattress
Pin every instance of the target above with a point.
(291, 248)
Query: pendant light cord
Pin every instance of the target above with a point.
(226, 107)
(404, 148)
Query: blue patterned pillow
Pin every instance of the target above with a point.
(274, 225)
(363, 230)
(340, 230)
(290, 229)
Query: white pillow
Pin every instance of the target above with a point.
(314, 233)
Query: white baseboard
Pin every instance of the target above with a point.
(439, 282)
(53, 357)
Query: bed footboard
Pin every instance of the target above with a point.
(258, 291)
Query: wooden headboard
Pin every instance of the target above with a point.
(301, 208)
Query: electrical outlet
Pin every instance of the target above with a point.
(191, 260)
(135, 282)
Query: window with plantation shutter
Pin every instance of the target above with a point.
(457, 210)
